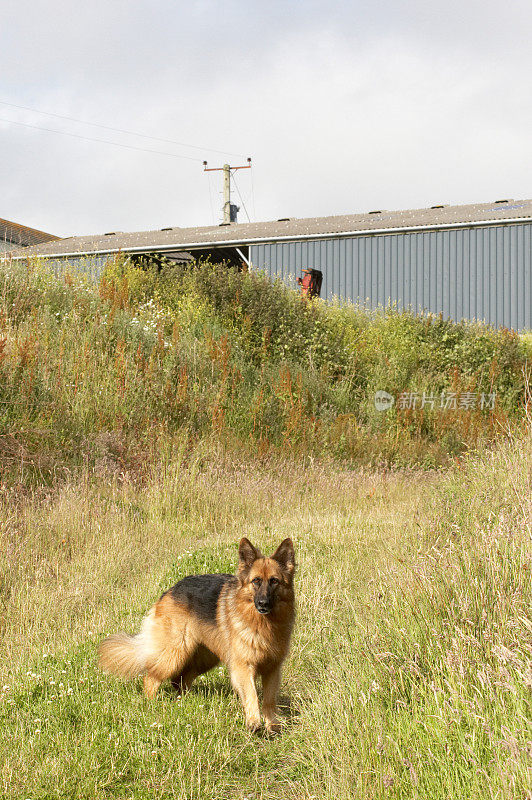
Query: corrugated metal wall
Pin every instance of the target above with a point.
(467, 273)
(89, 266)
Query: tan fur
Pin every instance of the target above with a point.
(174, 643)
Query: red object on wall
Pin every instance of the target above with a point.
(310, 283)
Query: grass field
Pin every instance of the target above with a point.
(410, 671)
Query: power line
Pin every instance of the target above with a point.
(253, 195)
(117, 130)
(210, 200)
(100, 141)
(241, 198)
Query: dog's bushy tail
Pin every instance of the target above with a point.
(123, 655)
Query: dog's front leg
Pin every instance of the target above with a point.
(243, 680)
(270, 688)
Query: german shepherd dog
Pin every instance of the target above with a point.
(244, 620)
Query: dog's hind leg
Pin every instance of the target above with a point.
(201, 661)
(169, 645)
(151, 684)
(169, 664)
(184, 680)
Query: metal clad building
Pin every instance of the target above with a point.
(471, 273)
(466, 262)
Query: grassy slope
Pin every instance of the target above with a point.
(409, 674)
(93, 379)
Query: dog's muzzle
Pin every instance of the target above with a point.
(263, 608)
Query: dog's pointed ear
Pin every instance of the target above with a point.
(285, 556)
(247, 554)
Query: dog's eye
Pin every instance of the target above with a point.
(274, 581)
(256, 582)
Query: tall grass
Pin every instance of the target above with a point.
(92, 557)
(410, 669)
(112, 377)
(430, 694)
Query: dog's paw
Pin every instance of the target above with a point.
(253, 724)
(273, 727)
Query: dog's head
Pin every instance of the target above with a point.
(266, 581)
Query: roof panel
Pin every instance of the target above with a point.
(240, 233)
(21, 236)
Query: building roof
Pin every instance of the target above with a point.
(22, 236)
(165, 239)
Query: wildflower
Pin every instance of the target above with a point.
(504, 655)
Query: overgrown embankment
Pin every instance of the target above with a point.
(110, 378)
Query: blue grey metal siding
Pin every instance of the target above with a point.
(90, 267)
(467, 273)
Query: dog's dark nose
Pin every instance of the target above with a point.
(262, 608)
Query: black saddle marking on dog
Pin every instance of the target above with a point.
(200, 593)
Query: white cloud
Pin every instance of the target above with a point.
(383, 105)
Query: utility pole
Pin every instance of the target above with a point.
(227, 193)
(229, 210)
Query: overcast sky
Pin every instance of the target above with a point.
(344, 107)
